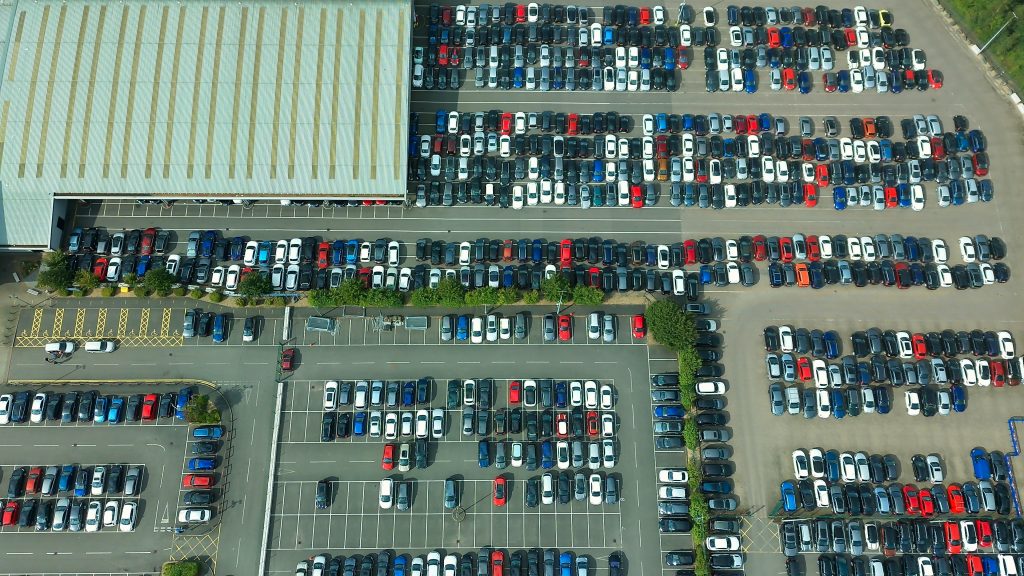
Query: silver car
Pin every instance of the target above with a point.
(609, 328)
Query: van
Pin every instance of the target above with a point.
(100, 346)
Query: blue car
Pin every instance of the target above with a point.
(787, 36)
(561, 394)
(749, 81)
(764, 121)
(547, 457)
(263, 254)
(212, 432)
(399, 566)
(598, 171)
(838, 405)
(608, 34)
(462, 328)
(882, 403)
(990, 566)
(669, 412)
(99, 414)
(179, 408)
(788, 496)
(831, 344)
(537, 251)
(115, 411)
(962, 142)
(981, 464)
(910, 246)
(959, 398)
(441, 121)
(977, 141)
(219, 328)
(196, 464)
(903, 195)
(508, 277)
(237, 247)
(142, 266)
(206, 244)
(885, 150)
(687, 122)
(409, 393)
(483, 454)
(661, 122)
(843, 80)
(518, 78)
(839, 198)
(565, 564)
(67, 477)
(338, 253)
(670, 59)
(705, 274)
(895, 83)
(803, 82)
(359, 424)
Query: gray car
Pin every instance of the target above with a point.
(189, 326)
(549, 327)
(447, 323)
(451, 494)
(776, 398)
(608, 333)
(520, 329)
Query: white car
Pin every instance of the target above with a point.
(607, 397)
(575, 393)
(93, 516)
(249, 255)
(422, 423)
(820, 373)
(967, 251)
(128, 512)
(476, 332)
(111, 513)
(330, 395)
(194, 515)
(517, 454)
(590, 400)
(231, 277)
(529, 393)
(5, 408)
(562, 454)
(940, 251)
(722, 543)
(970, 376)
(547, 489)
(384, 496)
(913, 401)
(824, 401)
(114, 269)
(672, 492)
(710, 388)
(38, 407)
(607, 425)
(821, 495)
(673, 476)
(1006, 347)
(984, 372)
(786, 338)
(391, 426)
(817, 462)
(800, 466)
(847, 467)
(608, 453)
(935, 472)
(594, 326)
(596, 492)
(294, 250)
(437, 423)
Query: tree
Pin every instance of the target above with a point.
(587, 295)
(531, 297)
(254, 285)
(56, 273)
(451, 293)
(690, 437)
(86, 281)
(200, 410)
(689, 362)
(670, 325)
(482, 296)
(556, 288)
(383, 298)
(180, 568)
(159, 281)
(508, 295)
(423, 297)
(321, 298)
(351, 292)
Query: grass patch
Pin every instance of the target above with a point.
(980, 19)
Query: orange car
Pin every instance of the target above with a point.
(803, 277)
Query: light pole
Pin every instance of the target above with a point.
(998, 32)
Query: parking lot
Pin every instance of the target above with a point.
(156, 447)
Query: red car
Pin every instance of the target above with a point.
(520, 13)
(980, 161)
(197, 481)
(506, 250)
(11, 513)
(955, 495)
(148, 238)
(636, 197)
(788, 79)
(998, 373)
(594, 277)
(829, 80)
(574, 123)
(774, 38)
(760, 248)
(442, 55)
(821, 175)
(690, 252)
(953, 541)
(902, 271)
(803, 368)
(739, 124)
(851, 36)
(387, 460)
(935, 79)
(506, 123)
(149, 406)
(562, 425)
(786, 249)
(813, 250)
(927, 503)
(810, 195)
(920, 348)
(592, 423)
(565, 253)
(808, 146)
(870, 129)
(364, 276)
(639, 326)
(984, 528)
(645, 16)
(99, 269)
(974, 565)
(891, 197)
(446, 15)
(938, 149)
(752, 124)
(35, 478)
(500, 491)
(288, 359)
(454, 59)
(911, 500)
(565, 327)
(498, 563)
(682, 60)
(323, 255)
(515, 392)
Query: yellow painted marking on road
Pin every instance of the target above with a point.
(317, 90)
(144, 322)
(336, 84)
(128, 125)
(86, 118)
(58, 323)
(155, 97)
(374, 120)
(44, 133)
(399, 95)
(112, 114)
(275, 126)
(101, 322)
(79, 323)
(165, 322)
(17, 46)
(296, 69)
(357, 121)
(195, 90)
(73, 93)
(122, 323)
(254, 98)
(173, 98)
(37, 319)
(214, 85)
(27, 118)
(3, 127)
(239, 60)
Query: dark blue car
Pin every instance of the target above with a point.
(981, 464)
(179, 408)
(839, 198)
(803, 82)
(547, 455)
(831, 344)
(409, 393)
(359, 424)
(882, 402)
(959, 397)
(483, 454)
(142, 266)
(838, 405)
(462, 328)
(441, 121)
(670, 412)
(561, 394)
(206, 245)
(197, 464)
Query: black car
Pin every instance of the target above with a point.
(16, 484)
(204, 324)
(199, 497)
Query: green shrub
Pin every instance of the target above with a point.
(508, 296)
(276, 301)
(180, 568)
(178, 291)
(670, 325)
(482, 296)
(588, 295)
(141, 291)
(321, 299)
(423, 297)
(556, 288)
(108, 291)
(197, 293)
(383, 298)
(451, 293)
(242, 301)
(690, 435)
(531, 297)
(216, 297)
(56, 275)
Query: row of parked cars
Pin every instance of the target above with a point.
(954, 565)
(72, 510)
(487, 561)
(853, 466)
(90, 406)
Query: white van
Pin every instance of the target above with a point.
(65, 347)
(100, 346)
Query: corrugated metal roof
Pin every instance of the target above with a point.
(206, 99)
(25, 219)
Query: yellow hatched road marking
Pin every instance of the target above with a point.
(80, 323)
(165, 322)
(58, 323)
(101, 322)
(37, 319)
(122, 322)
(144, 322)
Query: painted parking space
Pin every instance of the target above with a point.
(129, 326)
